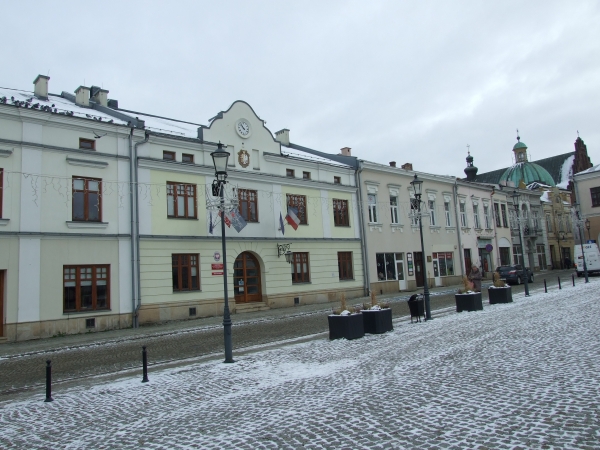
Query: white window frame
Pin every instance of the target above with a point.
(463, 214)
(476, 221)
(486, 215)
(372, 199)
(431, 206)
(394, 216)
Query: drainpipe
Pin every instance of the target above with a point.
(138, 302)
(132, 229)
(361, 220)
(460, 249)
(495, 229)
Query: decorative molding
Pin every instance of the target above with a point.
(87, 162)
(5, 153)
(87, 224)
(4, 222)
(397, 226)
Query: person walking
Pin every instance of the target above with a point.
(475, 278)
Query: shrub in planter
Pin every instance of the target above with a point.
(467, 299)
(344, 323)
(500, 292)
(377, 318)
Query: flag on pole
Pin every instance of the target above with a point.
(281, 223)
(226, 219)
(211, 227)
(292, 217)
(237, 220)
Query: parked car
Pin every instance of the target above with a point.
(592, 258)
(514, 273)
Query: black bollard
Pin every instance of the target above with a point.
(49, 382)
(573, 276)
(559, 286)
(545, 287)
(145, 364)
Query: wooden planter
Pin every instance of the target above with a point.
(468, 302)
(500, 295)
(377, 321)
(349, 327)
(417, 309)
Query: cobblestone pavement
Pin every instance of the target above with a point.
(22, 364)
(514, 376)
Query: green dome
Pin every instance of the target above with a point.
(528, 172)
(519, 145)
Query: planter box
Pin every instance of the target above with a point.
(500, 295)
(468, 302)
(349, 327)
(377, 321)
(417, 309)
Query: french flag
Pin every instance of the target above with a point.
(292, 217)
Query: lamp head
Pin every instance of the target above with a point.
(220, 159)
(587, 224)
(288, 257)
(417, 186)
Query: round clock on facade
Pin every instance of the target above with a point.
(243, 128)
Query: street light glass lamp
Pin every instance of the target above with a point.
(220, 159)
(417, 186)
(587, 224)
(288, 257)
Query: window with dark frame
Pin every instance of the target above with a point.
(87, 199)
(248, 204)
(504, 219)
(300, 268)
(187, 158)
(168, 156)
(345, 265)
(289, 173)
(341, 218)
(298, 202)
(87, 144)
(595, 193)
(181, 200)
(337, 180)
(497, 214)
(306, 175)
(86, 288)
(186, 273)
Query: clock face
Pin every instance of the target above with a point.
(243, 128)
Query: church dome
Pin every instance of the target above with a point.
(528, 172)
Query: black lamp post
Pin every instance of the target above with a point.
(418, 187)
(515, 197)
(220, 158)
(588, 225)
(561, 237)
(579, 224)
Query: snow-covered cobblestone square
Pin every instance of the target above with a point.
(520, 375)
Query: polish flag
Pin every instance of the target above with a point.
(292, 217)
(227, 219)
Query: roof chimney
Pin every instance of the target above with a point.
(346, 151)
(407, 166)
(283, 136)
(392, 163)
(82, 96)
(99, 95)
(41, 87)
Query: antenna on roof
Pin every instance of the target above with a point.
(577, 133)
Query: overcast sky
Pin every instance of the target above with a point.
(410, 81)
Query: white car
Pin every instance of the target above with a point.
(592, 258)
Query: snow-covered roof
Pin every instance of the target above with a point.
(296, 153)
(596, 168)
(166, 126)
(544, 197)
(54, 105)
(566, 172)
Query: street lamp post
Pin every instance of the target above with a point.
(220, 158)
(561, 237)
(515, 197)
(588, 225)
(580, 222)
(418, 187)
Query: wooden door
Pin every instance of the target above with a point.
(419, 269)
(2, 272)
(246, 279)
(468, 264)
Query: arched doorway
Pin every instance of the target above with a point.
(246, 279)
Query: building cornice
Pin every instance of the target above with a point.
(63, 149)
(305, 163)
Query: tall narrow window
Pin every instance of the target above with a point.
(340, 213)
(87, 144)
(497, 214)
(394, 209)
(447, 214)
(298, 202)
(595, 195)
(504, 219)
(463, 215)
(87, 199)
(181, 200)
(248, 204)
(345, 265)
(300, 269)
(372, 199)
(86, 288)
(517, 256)
(549, 223)
(414, 212)
(476, 215)
(431, 205)
(186, 273)
(559, 219)
(486, 216)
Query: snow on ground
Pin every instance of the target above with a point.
(520, 375)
